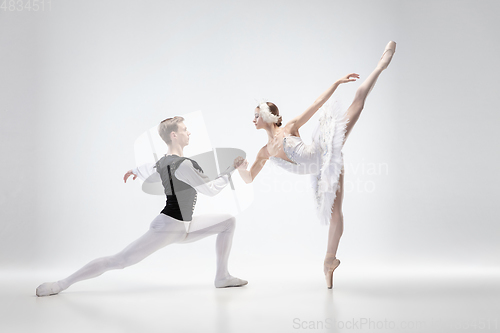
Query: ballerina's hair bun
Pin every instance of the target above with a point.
(270, 113)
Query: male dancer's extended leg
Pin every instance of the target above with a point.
(223, 225)
(163, 231)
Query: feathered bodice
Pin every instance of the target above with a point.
(306, 158)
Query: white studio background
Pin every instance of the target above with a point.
(81, 81)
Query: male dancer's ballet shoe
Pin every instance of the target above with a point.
(384, 62)
(48, 289)
(331, 263)
(230, 282)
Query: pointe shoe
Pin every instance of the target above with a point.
(383, 63)
(48, 289)
(230, 282)
(331, 263)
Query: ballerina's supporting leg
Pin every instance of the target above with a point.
(364, 89)
(334, 234)
(337, 220)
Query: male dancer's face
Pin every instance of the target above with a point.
(182, 134)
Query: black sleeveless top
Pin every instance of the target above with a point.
(181, 197)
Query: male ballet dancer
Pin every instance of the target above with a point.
(182, 178)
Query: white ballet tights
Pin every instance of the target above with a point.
(163, 231)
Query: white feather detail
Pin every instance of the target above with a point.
(266, 114)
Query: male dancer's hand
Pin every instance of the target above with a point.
(240, 163)
(128, 174)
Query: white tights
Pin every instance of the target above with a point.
(164, 230)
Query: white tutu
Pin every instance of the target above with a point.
(329, 137)
(322, 159)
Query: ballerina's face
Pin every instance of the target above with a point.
(257, 120)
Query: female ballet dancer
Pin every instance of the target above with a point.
(323, 158)
(182, 178)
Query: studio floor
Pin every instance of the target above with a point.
(368, 299)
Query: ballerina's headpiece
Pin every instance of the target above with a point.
(265, 113)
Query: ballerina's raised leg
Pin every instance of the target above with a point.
(366, 87)
(353, 113)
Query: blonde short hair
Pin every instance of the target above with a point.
(168, 126)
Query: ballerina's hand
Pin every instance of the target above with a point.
(128, 174)
(349, 78)
(240, 163)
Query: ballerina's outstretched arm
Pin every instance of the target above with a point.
(249, 175)
(300, 120)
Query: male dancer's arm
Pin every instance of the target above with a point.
(187, 173)
(142, 171)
